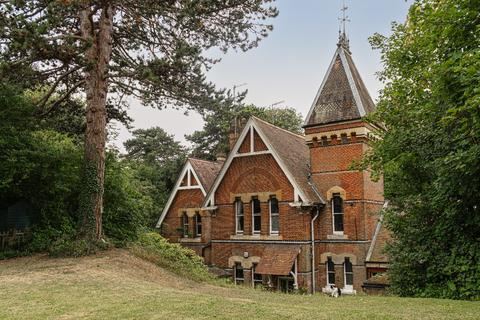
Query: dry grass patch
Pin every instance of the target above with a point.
(119, 285)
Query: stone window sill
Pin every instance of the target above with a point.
(255, 237)
(337, 237)
(191, 239)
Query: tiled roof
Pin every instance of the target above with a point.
(277, 260)
(207, 171)
(293, 151)
(342, 95)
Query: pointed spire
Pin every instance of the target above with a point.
(342, 34)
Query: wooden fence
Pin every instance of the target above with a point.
(13, 239)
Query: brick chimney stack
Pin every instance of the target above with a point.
(236, 126)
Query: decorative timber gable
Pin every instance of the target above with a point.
(196, 174)
(288, 149)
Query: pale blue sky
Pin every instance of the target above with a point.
(290, 64)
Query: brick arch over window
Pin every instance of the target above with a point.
(253, 175)
(338, 258)
(336, 190)
(244, 262)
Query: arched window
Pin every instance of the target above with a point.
(185, 224)
(256, 216)
(198, 224)
(274, 216)
(348, 273)
(330, 267)
(239, 216)
(337, 213)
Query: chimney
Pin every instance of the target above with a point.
(236, 126)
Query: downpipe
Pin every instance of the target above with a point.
(312, 237)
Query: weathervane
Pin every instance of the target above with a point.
(342, 35)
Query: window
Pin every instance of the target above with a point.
(274, 216)
(239, 216)
(238, 273)
(337, 212)
(256, 216)
(198, 224)
(344, 138)
(185, 224)
(348, 273)
(330, 271)
(257, 278)
(324, 141)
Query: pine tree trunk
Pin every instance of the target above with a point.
(98, 58)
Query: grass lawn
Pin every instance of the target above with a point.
(117, 285)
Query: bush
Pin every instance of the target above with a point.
(182, 261)
(70, 247)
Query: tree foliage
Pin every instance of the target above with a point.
(106, 49)
(157, 159)
(429, 151)
(212, 140)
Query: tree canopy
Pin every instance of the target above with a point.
(429, 151)
(106, 49)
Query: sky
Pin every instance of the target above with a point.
(289, 65)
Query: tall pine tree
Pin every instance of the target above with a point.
(105, 49)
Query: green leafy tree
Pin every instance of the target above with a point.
(157, 160)
(429, 152)
(148, 49)
(212, 140)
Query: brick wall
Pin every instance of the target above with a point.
(191, 198)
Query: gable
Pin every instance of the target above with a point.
(288, 150)
(187, 180)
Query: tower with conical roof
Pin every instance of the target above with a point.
(337, 136)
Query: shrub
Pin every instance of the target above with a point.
(182, 261)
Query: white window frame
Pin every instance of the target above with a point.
(238, 202)
(185, 223)
(197, 215)
(327, 272)
(337, 213)
(254, 281)
(235, 279)
(346, 287)
(274, 232)
(256, 214)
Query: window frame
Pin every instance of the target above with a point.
(347, 287)
(256, 282)
(185, 224)
(239, 204)
(334, 214)
(256, 215)
(328, 272)
(272, 214)
(235, 269)
(197, 219)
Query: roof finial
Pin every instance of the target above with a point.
(342, 35)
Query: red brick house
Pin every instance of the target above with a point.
(288, 210)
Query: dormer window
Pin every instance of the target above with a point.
(256, 216)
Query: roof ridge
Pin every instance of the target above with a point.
(209, 161)
(277, 127)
